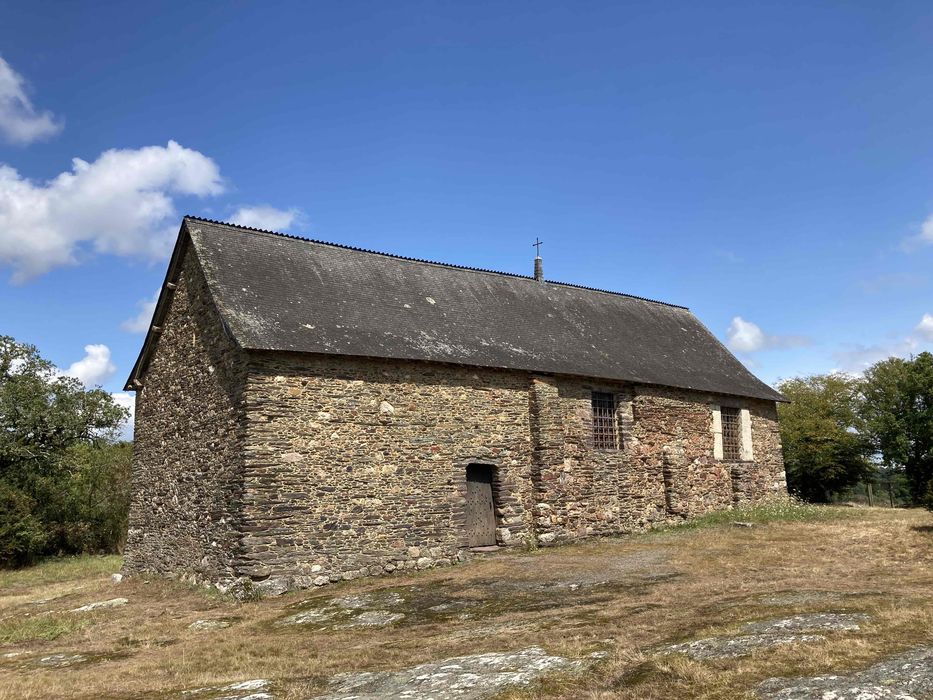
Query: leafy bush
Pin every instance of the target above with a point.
(93, 506)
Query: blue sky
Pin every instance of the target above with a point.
(769, 165)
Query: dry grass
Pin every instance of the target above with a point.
(16, 630)
(61, 570)
(662, 588)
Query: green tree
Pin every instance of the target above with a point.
(93, 510)
(825, 449)
(22, 536)
(45, 421)
(897, 406)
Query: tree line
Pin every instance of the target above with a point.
(64, 475)
(840, 430)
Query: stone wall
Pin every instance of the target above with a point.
(357, 466)
(765, 475)
(187, 449)
(663, 470)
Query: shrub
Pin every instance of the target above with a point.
(22, 536)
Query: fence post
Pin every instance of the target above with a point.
(870, 500)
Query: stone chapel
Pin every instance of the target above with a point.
(308, 412)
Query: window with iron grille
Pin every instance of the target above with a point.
(605, 434)
(731, 433)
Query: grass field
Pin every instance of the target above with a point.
(626, 597)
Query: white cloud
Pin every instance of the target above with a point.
(140, 322)
(745, 336)
(120, 204)
(924, 329)
(20, 121)
(127, 401)
(856, 358)
(924, 238)
(266, 217)
(94, 368)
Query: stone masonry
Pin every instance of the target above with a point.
(188, 457)
(290, 469)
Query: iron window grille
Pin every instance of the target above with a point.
(731, 433)
(605, 433)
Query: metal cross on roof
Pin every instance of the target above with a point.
(537, 244)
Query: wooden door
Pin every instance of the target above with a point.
(480, 509)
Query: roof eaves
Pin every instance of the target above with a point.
(166, 291)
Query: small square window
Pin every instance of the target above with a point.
(731, 433)
(605, 433)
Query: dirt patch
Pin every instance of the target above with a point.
(531, 586)
(635, 569)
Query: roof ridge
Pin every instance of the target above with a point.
(429, 262)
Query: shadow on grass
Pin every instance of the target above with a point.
(928, 529)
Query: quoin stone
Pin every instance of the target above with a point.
(308, 413)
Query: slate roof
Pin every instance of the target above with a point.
(280, 292)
